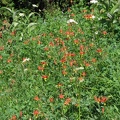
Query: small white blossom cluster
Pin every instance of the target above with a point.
(71, 21)
(93, 1)
(25, 59)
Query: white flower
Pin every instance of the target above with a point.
(93, 1)
(25, 69)
(21, 14)
(26, 59)
(35, 6)
(79, 68)
(72, 21)
(96, 32)
(93, 17)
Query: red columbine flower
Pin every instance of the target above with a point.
(1, 48)
(20, 113)
(64, 72)
(14, 117)
(103, 109)
(104, 32)
(36, 98)
(0, 57)
(61, 96)
(40, 68)
(35, 112)
(67, 101)
(13, 33)
(93, 60)
(51, 99)
(104, 99)
(97, 99)
(99, 50)
(9, 61)
(83, 74)
(44, 77)
(1, 71)
(63, 60)
(82, 53)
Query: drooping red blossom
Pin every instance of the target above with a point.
(36, 98)
(0, 57)
(63, 60)
(44, 77)
(40, 68)
(35, 112)
(1, 71)
(104, 32)
(14, 117)
(1, 48)
(51, 99)
(13, 33)
(103, 109)
(20, 113)
(104, 99)
(61, 96)
(64, 72)
(101, 99)
(83, 74)
(93, 60)
(9, 61)
(67, 101)
(99, 50)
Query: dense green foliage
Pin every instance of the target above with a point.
(63, 67)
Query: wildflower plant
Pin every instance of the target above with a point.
(65, 67)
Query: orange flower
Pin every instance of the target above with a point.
(39, 42)
(40, 68)
(82, 53)
(9, 61)
(89, 16)
(14, 117)
(103, 109)
(44, 63)
(83, 74)
(20, 113)
(104, 99)
(59, 85)
(35, 112)
(67, 101)
(61, 96)
(97, 99)
(63, 60)
(44, 77)
(81, 79)
(13, 33)
(0, 57)
(104, 32)
(99, 50)
(76, 41)
(10, 41)
(61, 31)
(64, 72)
(46, 48)
(1, 71)
(1, 48)
(72, 15)
(0, 35)
(36, 98)
(81, 47)
(51, 99)
(51, 44)
(93, 60)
